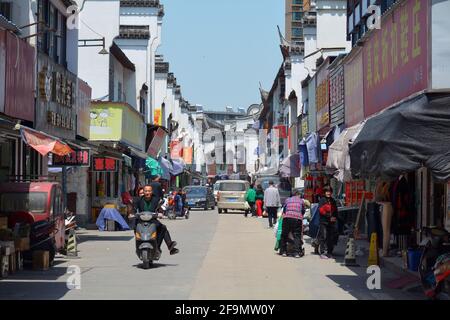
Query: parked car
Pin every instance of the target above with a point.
(216, 189)
(283, 184)
(39, 204)
(231, 195)
(200, 197)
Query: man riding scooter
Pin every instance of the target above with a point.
(150, 203)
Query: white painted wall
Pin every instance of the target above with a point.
(142, 54)
(332, 25)
(93, 67)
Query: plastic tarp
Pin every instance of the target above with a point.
(166, 167)
(153, 167)
(404, 138)
(338, 162)
(111, 214)
(291, 166)
(178, 166)
(315, 221)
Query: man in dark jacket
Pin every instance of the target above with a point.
(328, 217)
(150, 203)
(158, 191)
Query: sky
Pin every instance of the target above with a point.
(219, 50)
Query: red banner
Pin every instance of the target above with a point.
(20, 81)
(176, 150)
(396, 57)
(354, 90)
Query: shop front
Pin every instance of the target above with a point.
(17, 86)
(119, 132)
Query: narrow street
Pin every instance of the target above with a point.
(222, 257)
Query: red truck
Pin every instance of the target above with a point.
(39, 204)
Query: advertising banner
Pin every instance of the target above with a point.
(396, 57)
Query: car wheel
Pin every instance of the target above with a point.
(225, 210)
(219, 210)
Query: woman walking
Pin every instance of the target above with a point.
(259, 201)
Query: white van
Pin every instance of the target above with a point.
(231, 195)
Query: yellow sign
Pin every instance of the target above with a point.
(157, 117)
(117, 122)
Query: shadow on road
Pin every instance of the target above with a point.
(30, 284)
(10, 290)
(156, 265)
(84, 238)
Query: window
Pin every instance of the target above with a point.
(297, 2)
(119, 91)
(297, 16)
(5, 10)
(34, 202)
(53, 43)
(232, 186)
(297, 32)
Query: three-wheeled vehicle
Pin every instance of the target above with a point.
(39, 204)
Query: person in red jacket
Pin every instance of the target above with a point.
(328, 218)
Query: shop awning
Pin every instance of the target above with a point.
(42, 142)
(338, 162)
(290, 167)
(404, 138)
(138, 154)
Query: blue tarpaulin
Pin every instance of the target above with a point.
(111, 214)
(315, 221)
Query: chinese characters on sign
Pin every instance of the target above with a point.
(77, 158)
(354, 90)
(61, 121)
(337, 96)
(105, 164)
(323, 95)
(322, 100)
(396, 57)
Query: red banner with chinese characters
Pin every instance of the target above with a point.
(176, 150)
(104, 164)
(187, 155)
(77, 158)
(396, 57)
(354, 89)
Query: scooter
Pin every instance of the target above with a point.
(147, 238)
(434, 267)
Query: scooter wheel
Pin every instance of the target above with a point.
(145, 259)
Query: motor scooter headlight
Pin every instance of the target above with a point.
(153, 235)
(138, 236)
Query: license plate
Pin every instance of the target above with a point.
(191, 203)
(233, 199)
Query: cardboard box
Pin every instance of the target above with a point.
(3, 223)
(41, 260)
(22, 244)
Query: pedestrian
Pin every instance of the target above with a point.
(259, 201)
(293, 211)
(328, 217)
(272, 202)
(250, 197)
(157, 188)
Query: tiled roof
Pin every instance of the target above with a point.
(134, 32)
(8, 25)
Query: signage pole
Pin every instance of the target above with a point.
(64, 186)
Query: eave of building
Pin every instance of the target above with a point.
(8, 25)
(162, 68)
(122, 57)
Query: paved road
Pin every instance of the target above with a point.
(222, 257)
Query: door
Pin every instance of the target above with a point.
(58, 212)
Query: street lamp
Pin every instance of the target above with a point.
(87, 43)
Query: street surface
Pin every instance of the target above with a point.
(221, 257)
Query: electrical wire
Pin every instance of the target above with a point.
(91, 28)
